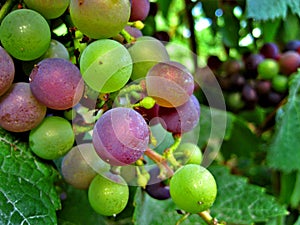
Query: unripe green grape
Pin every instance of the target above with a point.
(268, 68)
(280, 83)
(108, 195)
(25, 34)
(193, 188)
(105, 65)
(100, 19)
(52, 138)
(146, 52)
(188, 153)
(50, 9)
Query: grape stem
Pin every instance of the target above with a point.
(168, 153)
(127, 36)
(205, 215)
(6, 8)
(159, 160)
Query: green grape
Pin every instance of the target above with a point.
(50, 9)
(52, 138)
(146, 52)
(193, 188)
(108, 195)
(280, 83)
(105, 65)
(268, 68)
(100, 18)
(25, 34)
(188, 153)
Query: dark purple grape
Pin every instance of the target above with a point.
(237, 82)
(251, 63)
(274, 98)
(249, 96)
(162, 36)
(214, 62)
(19, 109)
(233, 66)
(292, 45)
(263, 87)
(57, 83)
(7, 69)
(270, 50)
(181, 119)
(149, 115)
(139, 10)
(156, 188)
(153, 9)
(120, 136)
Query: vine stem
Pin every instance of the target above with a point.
(205, 215)
(160, 160)
(6, 8)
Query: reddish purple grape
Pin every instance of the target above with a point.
(289, 62)
(156, 188)
(57, 83)
(263, 87)
(139, 10)
(237, 82)
(7, 69)
(120, 136)
(170, 84)
(249, 96)
(19, 109)
(270, 50)
(181, 119)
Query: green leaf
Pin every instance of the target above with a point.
(270, 29)
(164, 6)
(283, 153)
(241, 203)
(271, 8)
(27, 191)
(76, 209)
(230, 31)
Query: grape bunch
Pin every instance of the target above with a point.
(83, 84)
(259, 78)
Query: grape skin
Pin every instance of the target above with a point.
(7, 69)
(19, 109)
(50, 9)
(139, 10)
(175, 84)
(100, 19)
(57, 83)
(120, 136)
(181, 119)
(25, 34)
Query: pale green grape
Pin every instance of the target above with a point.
(100, 18)
(50, 9)
(25, 34)
(105, 65)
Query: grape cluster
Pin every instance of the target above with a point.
(259, 78)
(92, 96)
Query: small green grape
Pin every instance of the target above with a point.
(280, 83)
(188, 153)
(52, 138)
(193, 188)
(268, 69)
(108, 195)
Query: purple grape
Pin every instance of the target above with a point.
(134, 32)
(263, 87)
(270, 50)
(251, 63)
(181, 119)
(19, 109)
(237, 82)
(289, 62)
(139, 10)
(120, 136)
(7, 69)
(249, 96)
(149, 115)
(156, 188)
(57, 83)
(292, 45)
